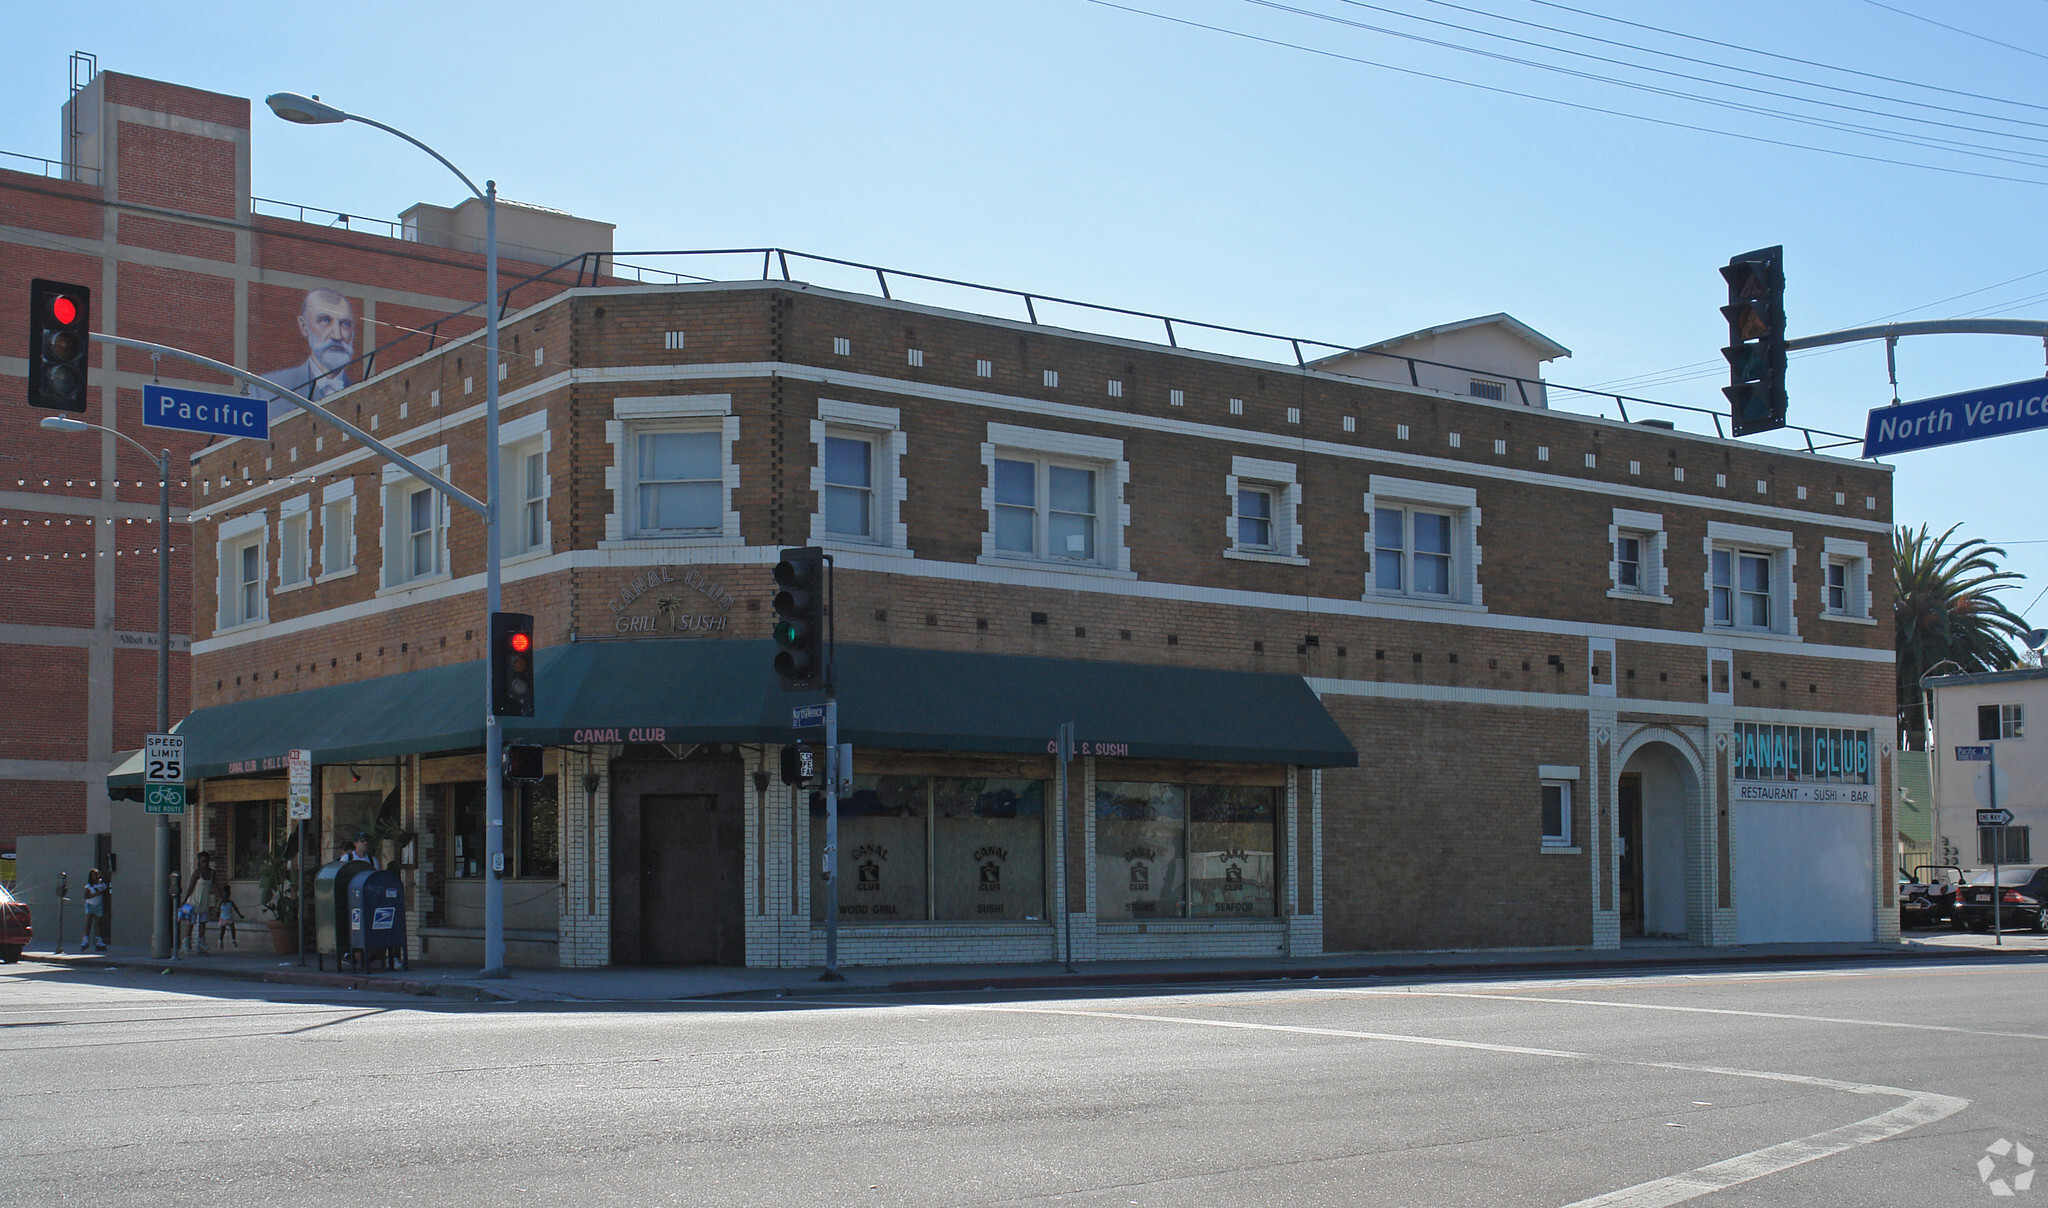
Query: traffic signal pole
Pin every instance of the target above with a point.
(831, 863)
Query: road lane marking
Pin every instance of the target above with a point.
(1651, 1006)
(1920, 1107)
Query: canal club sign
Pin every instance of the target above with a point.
(670, 600)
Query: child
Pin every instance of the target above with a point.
(229, 912)
(95, 937)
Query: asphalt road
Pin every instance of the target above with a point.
(1808, 1087)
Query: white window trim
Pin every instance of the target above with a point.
(1281, 478)
(400, 485)
(1856, 556)
(1654, 571)
(1114, 556)
(1784, 591)
(230, 538)
(883, 426)
(332, 493)
(1466, 554)
(299, 509)
(518, 439)
(629, 415)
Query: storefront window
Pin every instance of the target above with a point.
(1166, 851)
(533, 843)
(464, 804)
(1140, 854)
(258, 824)
(1230, 851)
(538, 817)
(881, 850)
(952, 848)
(990, 845)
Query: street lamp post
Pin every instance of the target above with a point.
(311, 111)
(160, 915)
(1930, 738)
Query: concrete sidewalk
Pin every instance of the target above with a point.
(638, 984)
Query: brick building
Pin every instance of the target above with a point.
(148, 204)
(1354, 663)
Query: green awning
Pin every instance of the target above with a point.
(440, 709)
(692, 691)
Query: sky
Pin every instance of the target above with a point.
(1337, 170)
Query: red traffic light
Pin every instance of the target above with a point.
(522, 642)
(64, 310)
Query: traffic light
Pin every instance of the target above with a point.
(800, 619)
(511, 664)
(1756, 340)
(523, 763)
(59, 333)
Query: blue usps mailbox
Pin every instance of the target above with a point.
(376, 920)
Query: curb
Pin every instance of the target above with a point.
(1455, 969)
(471, 991)
(289, 977)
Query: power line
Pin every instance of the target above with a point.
(1764, 111)
(1767, 75)
(1561, 103)
(1954, 29)
(1868, 75)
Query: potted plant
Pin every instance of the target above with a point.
(278, 888)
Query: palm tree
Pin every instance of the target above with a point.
(1945, 610)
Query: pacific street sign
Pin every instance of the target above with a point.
(205, 411)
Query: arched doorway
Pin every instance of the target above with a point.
(1655, 800)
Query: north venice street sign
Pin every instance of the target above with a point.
(1954, 418)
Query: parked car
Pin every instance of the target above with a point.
(2022, 898)
(1927, 898)
(14, 928)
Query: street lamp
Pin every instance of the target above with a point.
(160, 915)
(311, 111)
(1930, 738)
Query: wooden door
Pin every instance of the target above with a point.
(691, 862)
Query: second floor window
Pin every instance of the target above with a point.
(1412, 552)
(1044, 509)
(681, 481)
(1255, 514)
(1742, 588)
(337, 536)
(1628, 562)
(533, 520)
(292, 552)
(850, 487)
(249, 582)
(423, 546)
(2000, 721)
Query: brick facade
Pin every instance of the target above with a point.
(1534, 665)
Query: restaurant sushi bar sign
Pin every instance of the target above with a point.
(670, 600)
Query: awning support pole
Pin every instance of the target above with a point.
(1065, 742)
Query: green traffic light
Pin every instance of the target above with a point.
(785, 633)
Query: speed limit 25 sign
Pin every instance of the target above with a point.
(163, 759)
